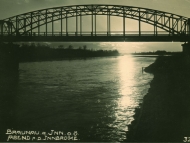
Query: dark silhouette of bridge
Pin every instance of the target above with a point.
(28, 26)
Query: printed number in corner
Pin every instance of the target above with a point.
(186, 139)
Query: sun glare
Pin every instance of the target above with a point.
(126, 69)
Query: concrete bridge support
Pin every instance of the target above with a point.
(186, 48)
(9, 62)
(5, 28)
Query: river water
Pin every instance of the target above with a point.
(95, 97)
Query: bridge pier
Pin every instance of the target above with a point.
(5, 28)
(186, 48)
(9, 62)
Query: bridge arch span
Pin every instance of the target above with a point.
(27, 22)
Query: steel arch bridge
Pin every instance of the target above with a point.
(21, 27)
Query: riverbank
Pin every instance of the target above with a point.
(33, 52)
(164, 115)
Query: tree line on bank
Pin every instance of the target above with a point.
(158, 52)
(39, 52)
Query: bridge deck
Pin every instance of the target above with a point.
(94, 38)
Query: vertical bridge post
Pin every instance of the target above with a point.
(76, 22)
(1, 27)
(188, 32)
(61, 22)
(38, 25)
(95, 22)
(66, 24)
(139, 22)
(9, 25)
(108, 22)
(52, 26)
(155, 25)
(123, 22)
(92, 22)
(80, 23)
(31, 24)
(188, 27)
(46, 23)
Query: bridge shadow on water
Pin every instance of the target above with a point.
(9, 76)
(8, 102)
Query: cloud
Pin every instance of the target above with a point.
(19, 2)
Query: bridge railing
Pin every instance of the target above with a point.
(97, 33)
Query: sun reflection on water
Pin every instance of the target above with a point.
(126, 102)
(127, 82)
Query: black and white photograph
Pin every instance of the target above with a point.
(95, 71)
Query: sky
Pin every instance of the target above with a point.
(10, 8)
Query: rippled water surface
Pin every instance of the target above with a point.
(96, 97)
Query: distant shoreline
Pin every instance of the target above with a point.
(149, 56)
(39, 52)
